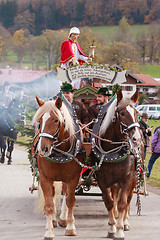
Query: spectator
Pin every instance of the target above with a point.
(155, 150)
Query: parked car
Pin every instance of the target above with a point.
(153, 110)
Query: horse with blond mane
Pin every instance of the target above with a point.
(117, 151)
(56, 147)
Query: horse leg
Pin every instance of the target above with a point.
(47, 187)
(10, 144)
(64, 210)
(126, 216)
(70, 201)
(54, 216)
(57, 201)
(3, 149)
(115, 195)
(108, 201)
(122, 208)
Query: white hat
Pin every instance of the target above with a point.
(74, 30)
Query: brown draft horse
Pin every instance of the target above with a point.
(117, 159)
(55, 125)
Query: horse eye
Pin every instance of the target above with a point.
(56, 120)
(122, 114)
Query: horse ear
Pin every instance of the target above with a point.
(40, 102)
(58, 103)
(119, 96)
(135, 96)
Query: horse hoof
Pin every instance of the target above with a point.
(2, 160)
(118, 238)
(70, 232)
(126, 227)
(62, 223)
(54, 222)
(9, 162)
(110, 235)
(46, 238)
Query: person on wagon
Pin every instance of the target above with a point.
(71, 52)
(102, 99)
(146, 131)
(68, 92)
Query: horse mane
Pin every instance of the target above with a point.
(108, 118)
(63, 115)
(111, 112)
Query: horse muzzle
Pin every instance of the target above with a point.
(44, 149)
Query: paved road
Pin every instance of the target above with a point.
(19, 221)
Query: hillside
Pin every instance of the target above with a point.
(108, 32)
(38, 15)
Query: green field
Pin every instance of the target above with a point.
(152, 70)
(108, 32)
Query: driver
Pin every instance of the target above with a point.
(102, 99)
(68, 92)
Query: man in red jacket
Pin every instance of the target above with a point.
(71, 52)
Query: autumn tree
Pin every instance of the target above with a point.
(49, 44)
(154, 42)
(141, 41)
(86, 39)
(20, 40)
(25, 21)
(34, 52)
(5, 43)
(121, 54)
(2, 48)
(124, 33)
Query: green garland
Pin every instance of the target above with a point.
(90, 64)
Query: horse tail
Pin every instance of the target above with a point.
(57, 196)
(39, 201)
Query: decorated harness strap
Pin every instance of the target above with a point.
(115, 155)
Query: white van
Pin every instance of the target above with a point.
(153, 110)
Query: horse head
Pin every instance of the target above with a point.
(54, 126)
(128, 118)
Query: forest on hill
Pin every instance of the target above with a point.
(38, 15)
(31, 32)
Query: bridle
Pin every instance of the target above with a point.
(54, 136)
(126, 128)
